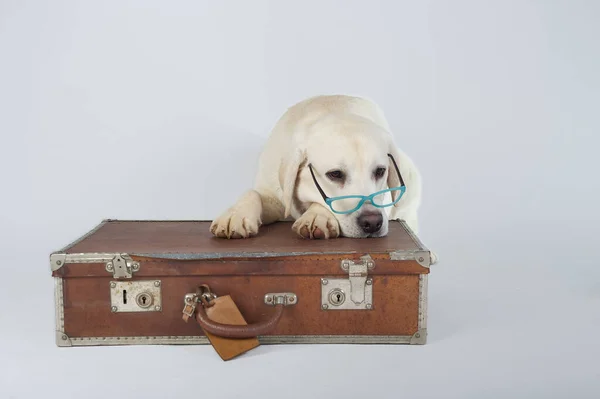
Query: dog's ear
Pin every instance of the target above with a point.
(410, 175)
(288, 174)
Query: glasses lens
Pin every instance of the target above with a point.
(345, 204)
(386, 199)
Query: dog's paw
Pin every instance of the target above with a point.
(233, 225)
(317, 225)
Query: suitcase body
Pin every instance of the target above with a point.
(125, 283)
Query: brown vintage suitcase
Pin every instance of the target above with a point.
(125, 283)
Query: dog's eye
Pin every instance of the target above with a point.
(335, 175)
(379, 172)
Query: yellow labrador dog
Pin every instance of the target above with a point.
(330, 164)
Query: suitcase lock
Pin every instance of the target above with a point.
(135, 296)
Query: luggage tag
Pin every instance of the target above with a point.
(221, 310)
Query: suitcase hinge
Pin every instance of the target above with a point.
(358, 286)
(122, 266)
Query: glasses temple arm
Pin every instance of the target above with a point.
(397, 169)
(325, 197)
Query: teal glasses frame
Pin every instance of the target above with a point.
(363, 198)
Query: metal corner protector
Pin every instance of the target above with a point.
(57, 260)
(425, 258)
(419, 338)
(62, 339)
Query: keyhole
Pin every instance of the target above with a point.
(125, 297)
(144, 300)
(337, 297)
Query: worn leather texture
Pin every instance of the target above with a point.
(87, 310)
(195, 238)
(183, 256)
(224, 311)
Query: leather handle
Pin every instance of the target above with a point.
(238, 331)
(278, 300)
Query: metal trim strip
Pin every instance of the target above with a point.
(58, 260)
(93, 257)
(89, 257)
(59, 321)
(59, 313)
(264, 340)
(423, 291)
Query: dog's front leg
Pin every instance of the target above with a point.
(317, 222)
(242, 220)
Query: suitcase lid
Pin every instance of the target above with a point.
(191, 240)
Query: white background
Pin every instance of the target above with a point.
(157, 110)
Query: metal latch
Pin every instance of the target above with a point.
(122, 266)
(355, 292)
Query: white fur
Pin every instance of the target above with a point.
(329, 132)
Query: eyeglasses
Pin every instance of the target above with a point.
(350, 203)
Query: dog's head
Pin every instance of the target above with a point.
(344, 158)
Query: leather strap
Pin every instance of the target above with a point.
(238, 331)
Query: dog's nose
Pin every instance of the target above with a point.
(370, 222)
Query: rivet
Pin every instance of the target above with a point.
(292, 299)
(417, 335)
(369, 306)
(157, 307)
(324, 281)
(58, 262)
(157, 283)
(369, 282)
(113, 285)
(325, 306)
(114, 308)
(269, 299)
(64, 337)
(421, 259)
